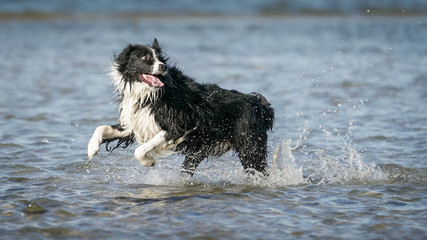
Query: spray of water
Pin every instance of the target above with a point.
(336, 162)
(341, 163)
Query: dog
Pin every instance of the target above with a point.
(168, 112)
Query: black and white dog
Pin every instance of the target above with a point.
(168, 112)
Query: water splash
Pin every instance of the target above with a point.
(284, 169)
(333, 159)
(346, 168)
(321, 167)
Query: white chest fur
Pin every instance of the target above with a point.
(139, 120)
(133, 117)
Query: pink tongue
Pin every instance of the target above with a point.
(151, 80)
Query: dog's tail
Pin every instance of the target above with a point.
(266, 111)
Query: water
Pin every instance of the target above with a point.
(248, 7)
(350, 95)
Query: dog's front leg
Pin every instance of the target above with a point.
(104, 132)
(142, 152)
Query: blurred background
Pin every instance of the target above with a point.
(48, 8)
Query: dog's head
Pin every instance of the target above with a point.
(142, 63)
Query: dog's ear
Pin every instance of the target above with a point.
(156, 45)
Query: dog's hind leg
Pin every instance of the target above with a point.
(254, 163)
(190, 164)
(254, 157)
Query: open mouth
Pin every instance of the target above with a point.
(151, 80)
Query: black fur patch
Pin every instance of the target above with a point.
(121, 142)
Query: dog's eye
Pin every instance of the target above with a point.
(145, 58)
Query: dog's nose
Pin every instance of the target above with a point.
(163, 68)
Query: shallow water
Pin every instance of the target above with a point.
(350, 95)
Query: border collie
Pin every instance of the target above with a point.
(168, 112)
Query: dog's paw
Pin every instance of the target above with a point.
(148, 162)
(93, 146)
(144, 158)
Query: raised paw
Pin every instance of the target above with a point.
(93, 146)
(144, 158)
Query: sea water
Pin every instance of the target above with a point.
(346, 158)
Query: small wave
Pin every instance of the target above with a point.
(399, 174)
(10, 145)
(49, 232)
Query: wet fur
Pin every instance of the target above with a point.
(198, 120)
